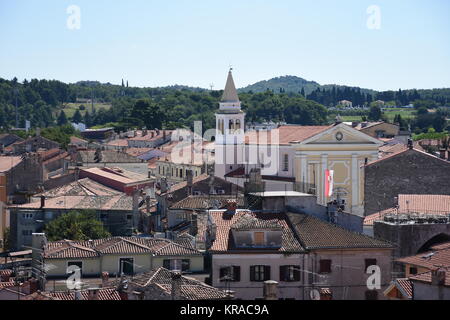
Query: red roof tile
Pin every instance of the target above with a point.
(284, 135)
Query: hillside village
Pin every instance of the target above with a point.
(274, 211)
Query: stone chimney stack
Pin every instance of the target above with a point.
(270, 290)
(231, 206)
(194, 224)
(176, 286)
(38, 242)
(105, 279)
(42, 202)
(190, 181)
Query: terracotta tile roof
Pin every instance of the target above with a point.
(116, 174)
(378, 216)
(38, 295)
(427, 277)
(149, 137)
(250, 222)
(388, 150)
(7, 284)
(82, 187)
(284, 134)
(113, 202)
(191, 289)
(207, 202)
(430, 260)
(76, 140)
(107, 156)
(183, 184)
(67, 249)
(426, 204)
(404, 285)
(136, 152)
(118, 143)
(317, 234)
(7, 163)
(103, 294)
(224, 240)
(399, 152)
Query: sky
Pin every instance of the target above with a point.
(376, 44)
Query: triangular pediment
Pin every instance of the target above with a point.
(341, 134)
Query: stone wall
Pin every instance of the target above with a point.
(411, 172)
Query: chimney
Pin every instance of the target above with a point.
(231, 206)
(190, 181)
(148, 203)
(152, 134)
(442, 153)
(230, 294)
(164, 134)
(93, 294)
(194, 224)
(438, 277)
(270, 290)
(136, 194)
(354, 124)
(38, 243)
(105, 279)
(410, 144)
(42, 202)
(176, 286)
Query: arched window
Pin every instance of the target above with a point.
(231, 125)
(238, 124)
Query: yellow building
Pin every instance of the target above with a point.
(342, 149)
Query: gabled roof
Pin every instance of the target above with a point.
(102, 294)
(426, 277)
(251, 222)
(191, 289)
(404, 151)
(224, 242)
(429, 260)
(403, 285)
(67, 249)
(230, 92)
(317, 234)
(108, 156)
(82, 187)
(283, 135)
(207, 202)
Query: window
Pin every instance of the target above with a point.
(185, 265)
(259, 273)
(231, 126)
(238, 125)
(371, 295)
(412, 270)
(232, 273)
(289, 273)
(172, 264)
(259, 238)
(370, 262)
(325, 266)
(286, 162)
(126, 266)
(103, 216)
(129, 217)
(166, 264)
(27, 216)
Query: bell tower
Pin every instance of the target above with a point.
(230, 126)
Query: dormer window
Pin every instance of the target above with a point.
(259, 238)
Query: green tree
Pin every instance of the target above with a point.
(374, 113)
(62, 119)
(76, 225)
(77, 118)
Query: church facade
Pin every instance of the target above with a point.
(293, 157)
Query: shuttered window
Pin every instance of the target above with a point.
(290, 273)
(230, 273)
(259, 273)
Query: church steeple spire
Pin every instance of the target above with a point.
(230, 92)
